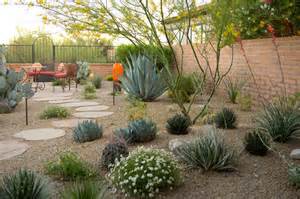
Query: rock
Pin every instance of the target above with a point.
(295, 154)
(92, 108)
(174, 143)
(91, 115)
(40, 134)
(11, 148)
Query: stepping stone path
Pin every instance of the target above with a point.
(40, 134)
(93, 108)
(50, 98)
(79, 104)
(91, 115)
(47, 94)
(70, 123)
(11, 148)
(63, 101)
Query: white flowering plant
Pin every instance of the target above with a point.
(145, 172)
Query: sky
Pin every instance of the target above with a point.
(14, 16)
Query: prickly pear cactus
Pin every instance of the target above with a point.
(12, 90)
(82, 71)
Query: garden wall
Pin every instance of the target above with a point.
(263, 61)
(102, 69)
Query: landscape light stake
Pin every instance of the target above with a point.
(26, 110)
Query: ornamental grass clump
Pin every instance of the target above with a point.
(97, 81)
(24, 184)
(87, 131)
(178, 124)
(257, 142)
(55, 112)
(225, 119)
(208, 152)
(89, 91)
(281, 120)
(294, 175)
(233, 89)
(145, 172)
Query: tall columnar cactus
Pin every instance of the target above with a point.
(82, 71)
(12, 90)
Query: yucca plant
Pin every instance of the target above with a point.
(225, 119)
(257, 143)
(233, 89)
(178, 124)
(86, 190)
(208, 152)
(87, 130)
(141, 78)
(294, 175)
(280, 119)
(24, 184)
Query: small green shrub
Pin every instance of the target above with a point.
(226, 119)
(256, 143)
(24, 184)
(55, 112)
(233, 89)
(86, 190)
(97, 81)
(86, 131)
(280, 119)
(294, 175)
(145, 172)
(178, 124)
(208, 152)
(109, 78)
(113, 151)
(136, 109)
(89, 91)
(70, 167)
(58, 82)
(245, 102)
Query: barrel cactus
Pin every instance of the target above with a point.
(12, 90)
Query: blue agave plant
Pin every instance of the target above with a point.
(87, 131)
(141, 78)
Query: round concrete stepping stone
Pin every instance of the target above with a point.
(93, 108)
(52, 94)
(70, 123)
(11, 148)
(50, 98)
(63, 101)
(91, 115)
(79, 104)
(40, 134)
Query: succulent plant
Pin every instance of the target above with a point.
(113, 151)
(225, 119)
(141, 78)
(87, 131)
(178, 124)
(24, 184)
(97, 81)
(125, 133)
(82, 71)
(294, 175)
(256, 143)
(12, 90)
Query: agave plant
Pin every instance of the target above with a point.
(226, 119)
(257, 143)
(141, 78)
(24, 184)
(178, 124)
(87, 131)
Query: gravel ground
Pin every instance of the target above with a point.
(256, 177)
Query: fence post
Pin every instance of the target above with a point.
(32, 53)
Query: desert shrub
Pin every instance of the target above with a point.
(109, 78)
(257, 143)
(89, 91)
(178, 124)
(24, 184)
(138, 131)
(86, 190)
(233, 89)
(280, 119)
(208, 152)
(55, 112)
(145, 172)
(87, 130)
(226, 119)
(294, 175)
(58, 82)
(70, 166)
(245, 102)
(137, 109)
(96, 80)
(113, 151)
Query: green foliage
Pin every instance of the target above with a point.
(109, 78)
(294, 175)
(145, 172)
(86, 190)
(245, 102)
(257, 143)
(142, 80)
(113, 151)
(89, 91)
(54, 112)
(178, 124)
(280, 119)
(69, 166)
(233, 89)
(82, 71)
(124, 52)
(138, 131)
(97, 81)
(136, 109)
(87, 131)
(208, 152)
(24, 184)
(226, 119)
(58, 82)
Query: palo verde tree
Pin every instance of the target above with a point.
(160, 23)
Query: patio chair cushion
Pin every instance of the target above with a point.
(60, 74)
